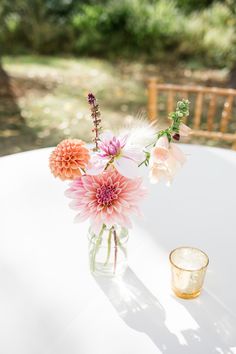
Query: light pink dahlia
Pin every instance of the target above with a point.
(108, 198)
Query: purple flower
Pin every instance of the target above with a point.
(176, 136)
(117, 152)
(91, 99)
(112, 148)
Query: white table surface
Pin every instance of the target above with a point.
(50, 303)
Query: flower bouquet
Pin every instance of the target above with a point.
(106, 186)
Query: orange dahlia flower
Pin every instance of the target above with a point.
(69, 159)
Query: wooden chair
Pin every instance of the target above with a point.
(216, 100)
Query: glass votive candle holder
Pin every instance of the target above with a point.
(188, 269)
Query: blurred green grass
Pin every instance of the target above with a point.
(51, 94)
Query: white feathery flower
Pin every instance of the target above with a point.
(140, 133)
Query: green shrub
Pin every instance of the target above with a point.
(38, 25)
(128, 27)
(148, 29)
(209, 36)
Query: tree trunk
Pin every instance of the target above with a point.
(10, 115)
(15, 135)
(232, 77)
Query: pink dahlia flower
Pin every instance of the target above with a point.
(108, 198)
(118, 152)
(166, 159)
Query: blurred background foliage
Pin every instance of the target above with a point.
(52, 52)
(202, 31)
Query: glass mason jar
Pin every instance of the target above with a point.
(108, 251)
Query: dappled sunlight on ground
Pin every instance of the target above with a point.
(50, 93)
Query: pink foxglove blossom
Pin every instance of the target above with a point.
(166, 159)
(184, 130)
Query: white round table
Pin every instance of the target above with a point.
(51, 304)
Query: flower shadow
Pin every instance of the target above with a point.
(139, 309)
(215, 332)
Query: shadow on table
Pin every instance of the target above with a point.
(216, 332)
(139, 309)
(142, 311)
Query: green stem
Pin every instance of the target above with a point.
(115, 258)
(108, 247)
(182, 110)
(153, 143)
(96, 248)
(121, 247)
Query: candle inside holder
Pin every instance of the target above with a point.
(188, 268)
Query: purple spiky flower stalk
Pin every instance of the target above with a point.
(95, 114)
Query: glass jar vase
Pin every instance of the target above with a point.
(108, 251)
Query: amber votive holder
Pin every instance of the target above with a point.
(188, 269)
